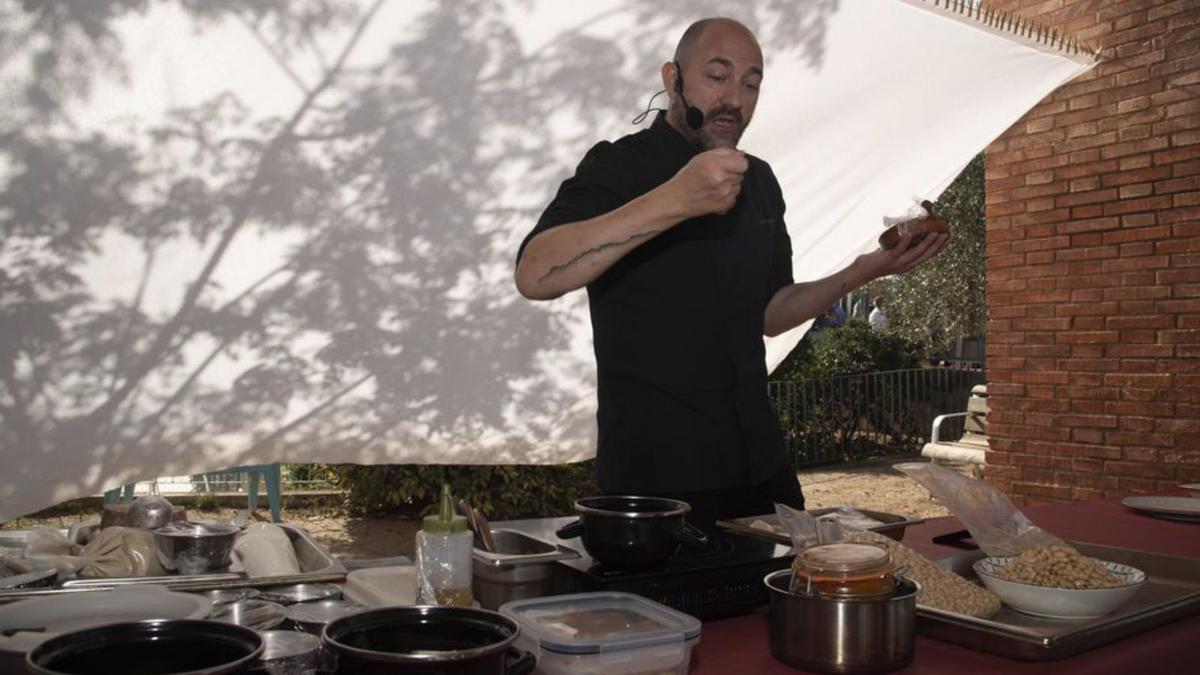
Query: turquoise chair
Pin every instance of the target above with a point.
(271, 475)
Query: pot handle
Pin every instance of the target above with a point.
(692, 535)
(570, 530)
(522, 665)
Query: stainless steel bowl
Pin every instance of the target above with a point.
(195, 548)
(150, 512)
(311, 617)
(252, 613)
(828, 635)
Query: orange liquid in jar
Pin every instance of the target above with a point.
(844, 570)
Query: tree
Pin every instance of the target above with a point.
(945, 299)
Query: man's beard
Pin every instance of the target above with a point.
(704, 136)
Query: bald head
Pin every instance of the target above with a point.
(717, 70)
(685, 50)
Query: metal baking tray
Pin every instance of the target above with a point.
(315, 565)
(1172, 591)
(893, 524)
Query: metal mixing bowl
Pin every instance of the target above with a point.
(195, 548)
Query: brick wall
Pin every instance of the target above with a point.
(1093, 263)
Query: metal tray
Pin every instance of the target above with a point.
(1172, 591)
(315, 565)
(893, 524)
(517, 548)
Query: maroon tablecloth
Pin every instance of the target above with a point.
(739, 644)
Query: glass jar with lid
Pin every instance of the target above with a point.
(844, 570)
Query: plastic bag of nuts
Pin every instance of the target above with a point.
(940, 588)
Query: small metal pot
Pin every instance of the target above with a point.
(632, 533)
(421, 639)
(842, 635)
(164, 647)
(195, 548)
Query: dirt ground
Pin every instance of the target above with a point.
(874, 486)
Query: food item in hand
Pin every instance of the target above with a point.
(121, 552)
(919, 227)
(1058, 567)
(265, 550)
(940, 588)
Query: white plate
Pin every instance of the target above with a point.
(1174, 508)
(74, 611)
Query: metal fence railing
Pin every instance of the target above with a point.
(850, 417)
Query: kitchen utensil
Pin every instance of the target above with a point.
(158, 647)
(225, 596)
(252, 613)
(73, 611)
(195, 548)
(425, 639)
(840, 635)
(292, 593)
(288, 652)
(484, 531)
(382, 586)
(522, 566)
(150, 512)
(628, 532)
(1060, 603)
(1184, 509)
(312, 617)
(604, 632)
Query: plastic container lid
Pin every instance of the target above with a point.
(382, 586)
(591, 623)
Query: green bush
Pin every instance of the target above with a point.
(835, 407)
(502, 491)
(849, 350)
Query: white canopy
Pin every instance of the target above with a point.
(292, 237)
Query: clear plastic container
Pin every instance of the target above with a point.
(444, 557)
(604, 633)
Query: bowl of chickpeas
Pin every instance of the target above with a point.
(1058, 582)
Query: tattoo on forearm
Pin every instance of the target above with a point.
(598, 249)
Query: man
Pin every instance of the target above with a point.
(680, 240)
(878, 318)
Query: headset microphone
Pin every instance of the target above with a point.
(693, 115)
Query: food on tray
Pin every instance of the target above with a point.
(265, 550)
(940, 589)
(121, 552)
(1059, 567)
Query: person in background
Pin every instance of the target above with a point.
(679, 238)
(878, 319)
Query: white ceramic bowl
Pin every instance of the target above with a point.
(1060, 603)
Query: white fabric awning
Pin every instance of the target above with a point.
(302, 257)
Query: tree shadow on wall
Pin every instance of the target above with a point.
(402, 187)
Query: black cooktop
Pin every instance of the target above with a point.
(722, 578)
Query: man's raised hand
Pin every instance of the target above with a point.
(710, 182)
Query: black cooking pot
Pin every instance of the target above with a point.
(158, 647)
(441, 640)
(632, 533)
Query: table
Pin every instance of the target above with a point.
(739, 644)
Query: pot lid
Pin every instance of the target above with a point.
(590, 623)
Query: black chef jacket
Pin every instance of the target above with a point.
(678, 325)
